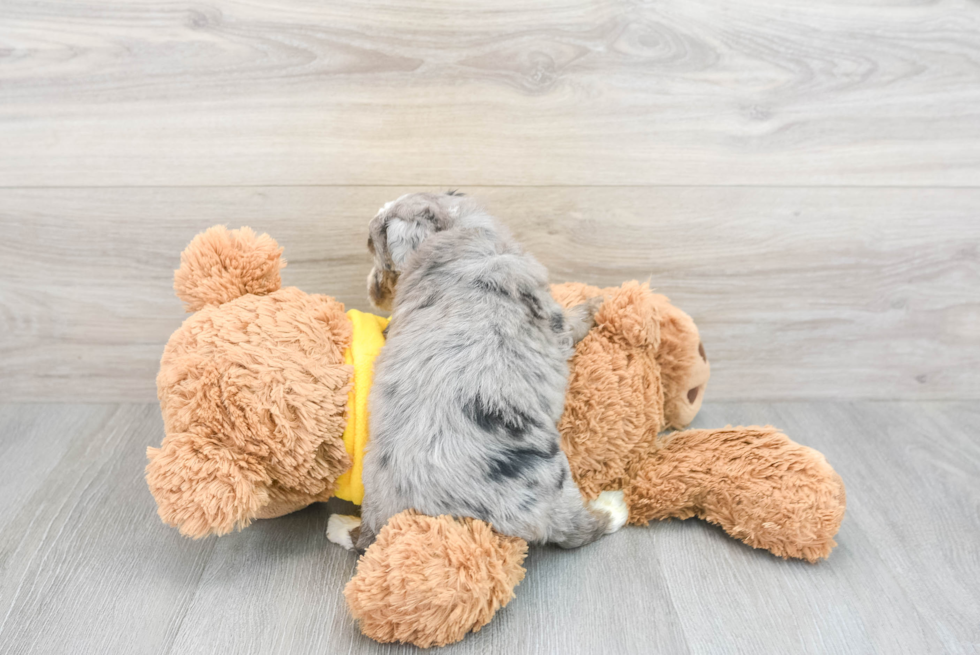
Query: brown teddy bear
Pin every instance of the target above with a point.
(258, 395)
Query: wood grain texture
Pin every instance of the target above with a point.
(803, 177)
(84, 569)
(227, 92)
(799, 293)
(87, 567)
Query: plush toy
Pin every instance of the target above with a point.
(263, 392)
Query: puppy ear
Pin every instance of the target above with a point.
(395, 237)
(405, 237)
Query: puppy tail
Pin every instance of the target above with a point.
(221, 264)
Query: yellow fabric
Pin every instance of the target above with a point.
(366, 343)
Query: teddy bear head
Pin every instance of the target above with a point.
(640, 371)
(684, 367)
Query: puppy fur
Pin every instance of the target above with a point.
(471, 383)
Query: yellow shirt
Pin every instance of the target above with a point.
(366, 343)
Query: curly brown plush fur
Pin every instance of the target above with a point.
(757, 484)
(222, 264)
(614, 401)
(642, 369)
(253, 391)
(429, 581)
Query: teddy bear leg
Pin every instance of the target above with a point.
(203, 488)
(754, 482)
(284, 501)
(429, 581)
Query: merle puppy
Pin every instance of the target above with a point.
(471, 382)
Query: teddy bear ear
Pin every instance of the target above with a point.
(627, 316)
(221, 264)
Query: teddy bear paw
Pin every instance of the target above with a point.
(339, 527)
(612, 503)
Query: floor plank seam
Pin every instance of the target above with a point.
(460, 185)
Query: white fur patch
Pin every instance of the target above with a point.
(339, 527)
(614, 504)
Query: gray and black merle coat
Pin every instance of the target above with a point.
(471, 382)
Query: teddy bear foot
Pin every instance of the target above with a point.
(612, 503)
(430, 581)
(340, 527)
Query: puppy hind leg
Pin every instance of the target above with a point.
(613, 503)
(364, 534)
(343, 530)
(573, 524)
(363, 538)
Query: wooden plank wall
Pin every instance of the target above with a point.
(802, 177)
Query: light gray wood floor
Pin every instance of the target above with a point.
(87, 567)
